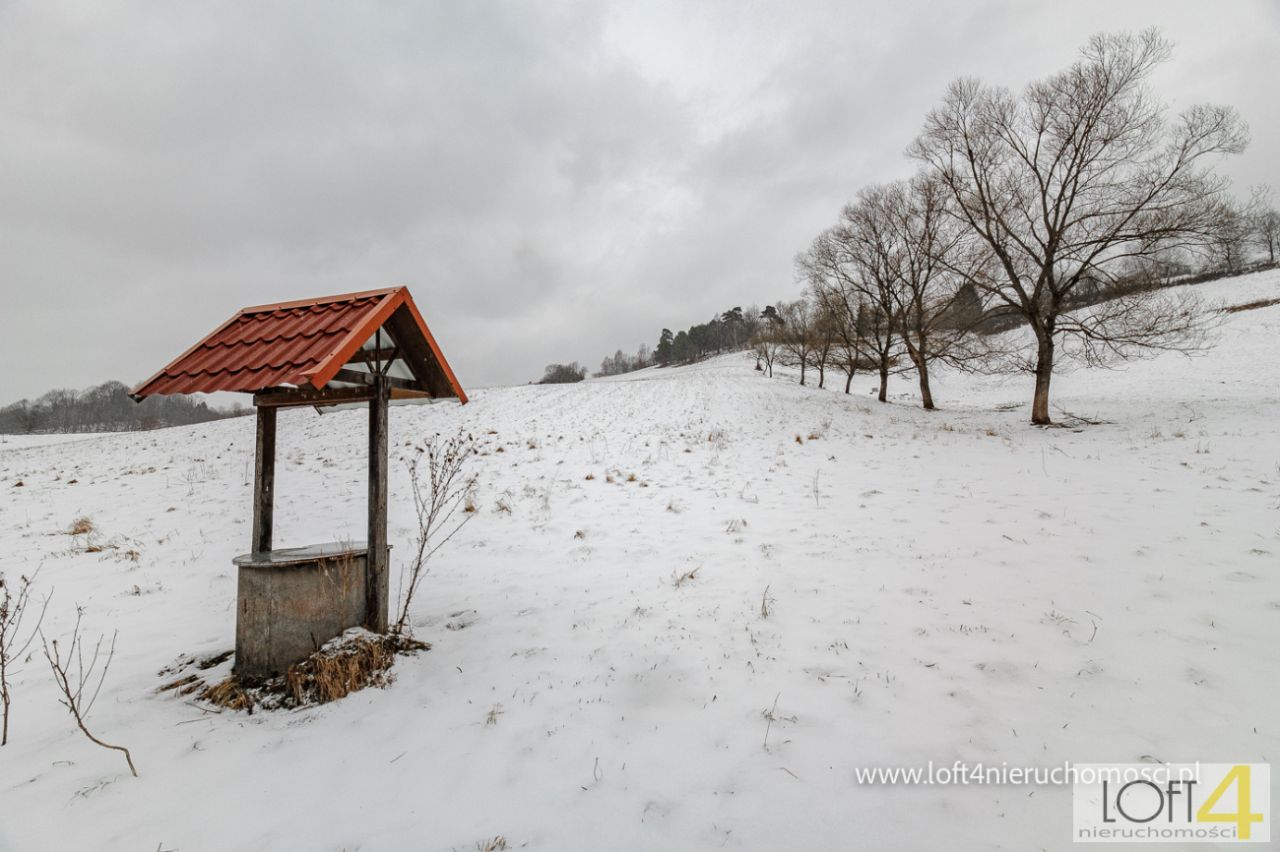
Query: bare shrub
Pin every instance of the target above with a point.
(439, 491)
(74, 674)
(14, 641)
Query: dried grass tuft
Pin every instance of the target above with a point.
(326, 677)
(348, 664)
(81, 526)
(230, 694)
(678, 579)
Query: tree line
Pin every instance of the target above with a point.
(729, 331)
(1065, 209)
(106, 408)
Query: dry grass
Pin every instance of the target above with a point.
(230, 694)
(82, 525)
(335, 671)
(679, 580)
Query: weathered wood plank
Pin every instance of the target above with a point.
(328, 396)
(377, 586)
(264, 480)
(418, 355)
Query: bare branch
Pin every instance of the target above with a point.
(72, 675)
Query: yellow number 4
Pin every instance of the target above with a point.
(1243, 816)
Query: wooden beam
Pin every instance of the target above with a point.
(381, 355)
(264, 480)
(377, 581)
(327, 396)
(356, 377)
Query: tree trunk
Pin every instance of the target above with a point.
(926, 396)
(847, 382)
(1044, 373)
(884, 380)
(918, 361)
(822, 374)
(802, 366)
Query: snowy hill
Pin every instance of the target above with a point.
(941, 586)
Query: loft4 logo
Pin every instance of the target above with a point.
(1181, 802)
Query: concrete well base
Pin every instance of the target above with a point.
(292, 601)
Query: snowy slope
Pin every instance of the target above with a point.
(955, 585)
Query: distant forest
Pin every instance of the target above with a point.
(730, 331)
(106, 408)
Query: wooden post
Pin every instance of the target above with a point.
(377, 586)
(264, 480)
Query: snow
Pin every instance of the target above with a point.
(945, 586)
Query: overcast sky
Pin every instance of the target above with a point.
(553, 181)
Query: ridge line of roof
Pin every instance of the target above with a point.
(299, 303)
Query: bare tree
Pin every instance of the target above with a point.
(798, 337)
(1068, 180)
(1266, 222)
(852, 262)
(14, 640)
(768, 339)
(1228, 246)
(841, 316)
(437, 498)
(74, 675)
(928, 265)
(825, 338)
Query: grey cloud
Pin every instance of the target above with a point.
(553, 180)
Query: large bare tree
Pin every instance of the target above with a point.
(1067, 182)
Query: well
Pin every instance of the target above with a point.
(370, 347)
(292, 601)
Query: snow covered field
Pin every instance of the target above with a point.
(947, 586)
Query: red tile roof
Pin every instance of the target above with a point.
(303, 343)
